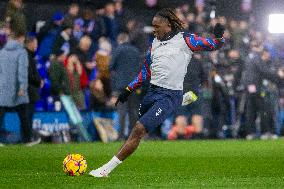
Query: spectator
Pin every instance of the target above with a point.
(83, 53)
(100, 77)
(15, 17)
(98, 97)
(255, 71)
(137, 37)
(88, 20)
(34, 79)
(238, 33)
(74, 72)
(92, 25)
(78, 29)
(121, 14)
(235, 66)
(190, 18)
(269, 93)
(14, 82)
(181, 129)
(60, 84)
(111, 23)
(222, 20)
(47, 35)
(220, 104)
(124, 66)
(118, 4)
(63, 40)
(102, 58)
(72, 13)
(200, 24)
(220, 101)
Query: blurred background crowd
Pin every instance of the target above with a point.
(92, 52)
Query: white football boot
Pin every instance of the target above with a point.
(100, 172)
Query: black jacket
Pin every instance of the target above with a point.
(195, 76)
(34, 79)
(256, 70)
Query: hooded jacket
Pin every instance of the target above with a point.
(13, 74)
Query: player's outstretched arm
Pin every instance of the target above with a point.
(144, 74)
(197, 43)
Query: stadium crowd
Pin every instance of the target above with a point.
(92, 54)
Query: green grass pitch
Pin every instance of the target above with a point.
(180, 164)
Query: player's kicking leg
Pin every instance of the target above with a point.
(131, 144)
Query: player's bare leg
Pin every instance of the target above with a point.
(130, 145)
(132, 142)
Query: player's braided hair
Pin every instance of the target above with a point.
(169, 14)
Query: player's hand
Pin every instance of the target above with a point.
(21, 92)
(112, 101)
(42, 82)
(219, 30)
(123, 96)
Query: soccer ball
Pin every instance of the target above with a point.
(74, 165)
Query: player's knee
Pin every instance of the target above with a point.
(139, 130)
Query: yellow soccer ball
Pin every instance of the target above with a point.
(74, 165)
